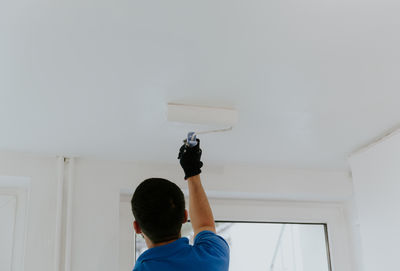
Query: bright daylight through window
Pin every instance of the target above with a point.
(269, 246)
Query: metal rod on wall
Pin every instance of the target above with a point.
(59, 208)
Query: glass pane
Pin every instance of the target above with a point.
(269, 246)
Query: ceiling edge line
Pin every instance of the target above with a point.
(389, 134)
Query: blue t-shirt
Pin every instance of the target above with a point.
(209, 252)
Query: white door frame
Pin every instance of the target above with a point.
(19, 188)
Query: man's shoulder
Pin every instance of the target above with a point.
(210, 241)
(208, 251)
(206, 236)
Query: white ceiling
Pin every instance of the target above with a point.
(312, 80)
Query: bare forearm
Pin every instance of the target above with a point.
(200, 211)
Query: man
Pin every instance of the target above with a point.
(158, 206)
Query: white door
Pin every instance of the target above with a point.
(8, 208)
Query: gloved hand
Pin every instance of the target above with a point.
(190, 159)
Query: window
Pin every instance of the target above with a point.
(310, 229)
(269, 246)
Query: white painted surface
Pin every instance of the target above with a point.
(35, 238)
(8, 206)
(352, 217)
(376, 175)
(203, 115)
(126, 247)
(312, 80)
(313, 248)
(15, 194)
(99, 184)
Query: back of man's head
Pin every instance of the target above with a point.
(158, 206)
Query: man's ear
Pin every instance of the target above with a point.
(137, 228)
(185, 219)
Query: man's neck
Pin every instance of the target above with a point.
(151, 245)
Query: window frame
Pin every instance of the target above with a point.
(330, 214)
(291, 212)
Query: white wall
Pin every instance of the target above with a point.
(126, 235)
(40, 225)
(99, 184)
(376, 176)
(351, 214)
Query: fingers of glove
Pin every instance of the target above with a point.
(185, 148)
(194, 150)
(189, 153)
(182, 150)
(197, 145)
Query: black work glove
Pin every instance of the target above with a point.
(190, 159)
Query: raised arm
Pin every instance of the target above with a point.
(199, 208)
(200, 211)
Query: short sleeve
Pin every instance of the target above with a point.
(212, 243)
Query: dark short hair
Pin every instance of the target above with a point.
(158, 206)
